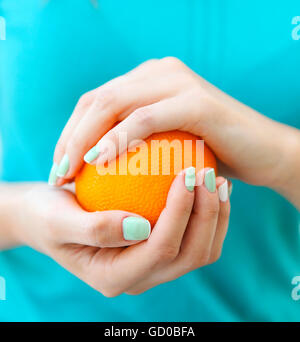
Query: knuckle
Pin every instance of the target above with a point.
(214, 257)
(105, 98)
(135, 292)
(212, 210)
(172, 61)
(196, 260)
(98, 234)
(185, 208)
(75, 143)
(144, 117)
(105, 283)
(113, 137)
(110, 293)
(150, 62)
(203, 259)
(208, 103)
(166, 253)
(107, 289)
(188, 265)
(59, 149)
(85, 100)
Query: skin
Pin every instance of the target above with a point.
(189, 234)
(159, 95)
(163, 95)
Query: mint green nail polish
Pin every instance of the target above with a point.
(53, 176)
(190, 178)
(136, 228)
(63, 166)
(92, 154)
(230, 189)
(210, 180)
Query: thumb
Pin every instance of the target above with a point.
(112, 228)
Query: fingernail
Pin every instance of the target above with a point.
(230, 188)
(92, 154)
(63, 166)
(136, 228)
(223, 192)
(210, 180)
(190, 178)
(53, 176)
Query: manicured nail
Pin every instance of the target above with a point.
(190, 178)
(63, 166)
(136, 228)
(230, 188)
(53, 176)
(223, 192)
(210, 180)
(92, 154)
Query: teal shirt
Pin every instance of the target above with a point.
(57, 50)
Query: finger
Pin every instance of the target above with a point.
(197, 242)
(81, 107)
(96, 99)
(99, 229)
(161, 116)
(111, 103)
(192, 254)
(223, 219)
(112, 270)
(137, 262)
(90, 123)
(166, 238)
(83, 104)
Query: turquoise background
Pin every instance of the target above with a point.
(57, 50)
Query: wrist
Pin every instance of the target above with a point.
(11, 203)
(14, 210)
(288, 180)
(15, 213)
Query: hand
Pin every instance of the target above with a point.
(189, 234)
(48, 218)
(162, 95)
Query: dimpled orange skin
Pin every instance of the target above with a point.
(143, 194)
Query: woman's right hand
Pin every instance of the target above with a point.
(163, 95)
(188, 234)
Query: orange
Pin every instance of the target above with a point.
(139, 181)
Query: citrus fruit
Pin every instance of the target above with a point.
(138, 180)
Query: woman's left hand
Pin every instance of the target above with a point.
(189, 234)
